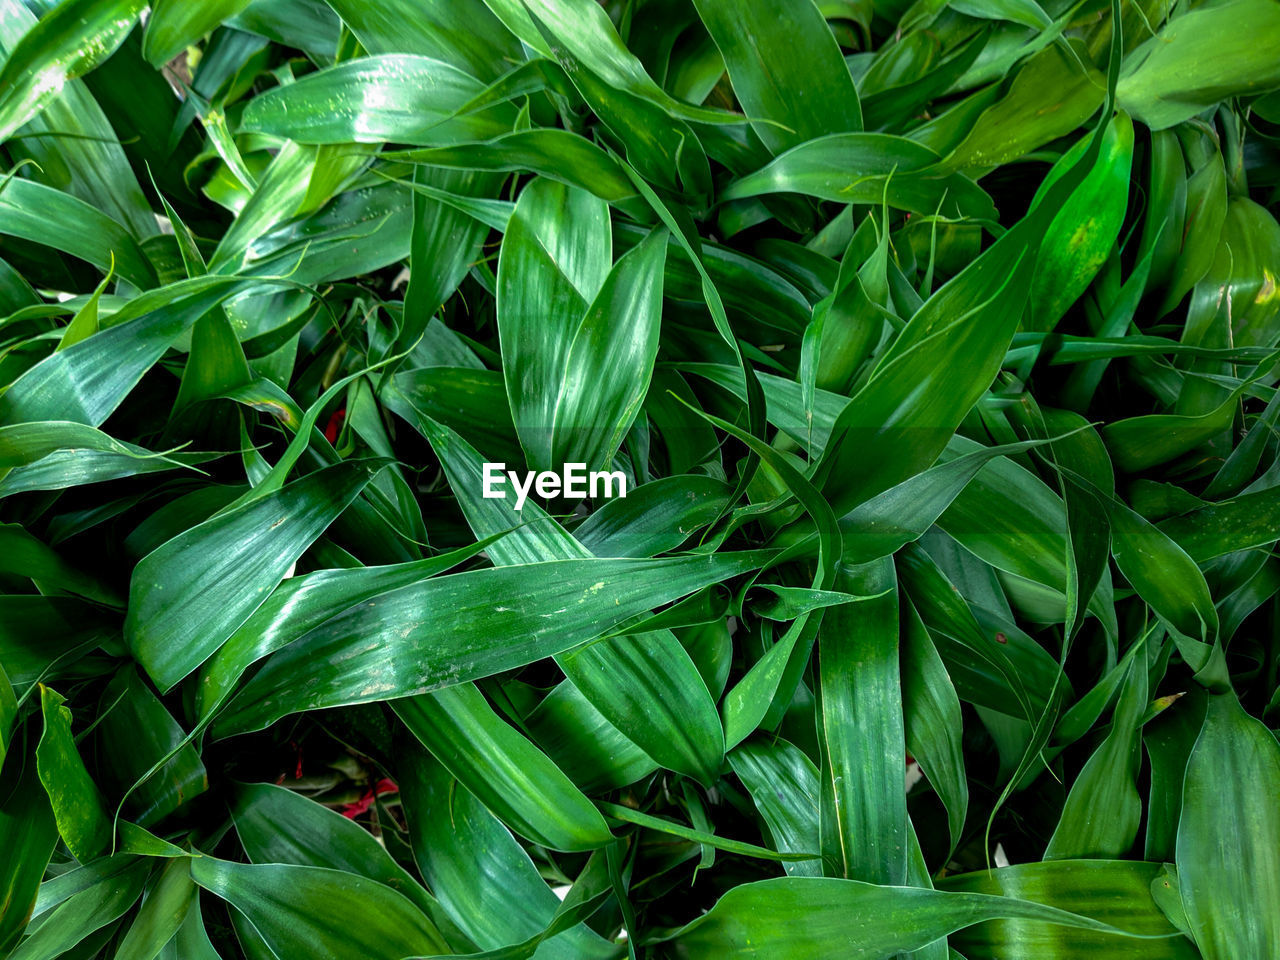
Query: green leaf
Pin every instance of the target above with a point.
(88, 910)
(83, 823)
(407, 99)
(72, 226)
(783, 783)
(933, 722)
(589, 598)
(864, 807)
(578, 376)
(1085, 229)
(465, 34)
(590, 38)
(1228, 860)
(645, 685)
(8, 714)
(509, 775)
(808, 916)
(136, 733)
(300, 909)
(551, 152)
(29, 833)
(867, 168)
(654, 517)
(276, 825)
(1218, 528)
(1103, 809)
(174, 25)
(70, 41)
(591, 751)
(189, 595)
(164, 908)
(786, 69)
(1164, 576)
(483, 876)
(300, 604)
(74, 384)
(1163, 86)
(1114, 891)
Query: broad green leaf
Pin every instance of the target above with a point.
(1114, 891)
(511, 776)
(654, 517)
(590, 38)
(864, 808)
(175, 25)
(1026, 12)
(916, 392)
(932, 719)
(1202, 220)
(663, 148)
(189, 595)
(28, 834)
(785, 67)
(1163, 86)
(576, 378)
(276, 825)
(555, 257)
(191, 942)
(306, 24)
(809, 916)
(77, 804)
(784, 785)
(136, 733)
(40, 214)
(70, 41)
(867, 168)
(74, 384)
(465, 34)
(1168, 739)
(1164, 576)
(590, 750)
(1138, 443)
(557, 154)
(646, 685)
(300, 910)
(85, 323)
(1052, 93)
(1015, 677)
(1228, 860)
(277, 197)
(483, 877)
(902, 418)
(903, 513)
(445, 244)
(1085, 229)
(8, 714)
(389, 648)
(95, 168)
(298, 605)
(24, 556)
(216, 364)
(85, 912)
(1103, 809)
(1218, 528)
(164, 908)
(609, 360)
(403, 98)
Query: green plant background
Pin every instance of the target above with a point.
(938, 343)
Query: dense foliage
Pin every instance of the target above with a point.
(937, 344)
